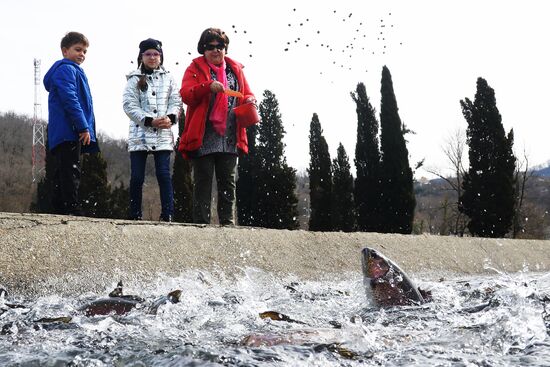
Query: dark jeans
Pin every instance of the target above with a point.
(162, 168)
(67, 178)
(224, 165)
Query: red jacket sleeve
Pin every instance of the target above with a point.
(195, 85)
(247, 93)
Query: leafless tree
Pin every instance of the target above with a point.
(453, 149)
(522, 176)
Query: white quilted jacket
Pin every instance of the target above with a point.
(161, 98)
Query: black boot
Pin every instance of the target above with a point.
(165, 218)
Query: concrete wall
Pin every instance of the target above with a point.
(41, 254)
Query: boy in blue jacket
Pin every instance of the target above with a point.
(71, 122)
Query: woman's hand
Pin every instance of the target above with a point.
(216, 87)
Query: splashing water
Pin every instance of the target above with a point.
(483, 321)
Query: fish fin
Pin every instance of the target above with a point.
(117, 292)
(427, 295)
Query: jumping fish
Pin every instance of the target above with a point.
(119, 303)
(386, 283)
(116, 303)
(172, 297)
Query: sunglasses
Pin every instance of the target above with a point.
(151, 54)
(210, 47)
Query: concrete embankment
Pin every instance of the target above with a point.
(42, 254)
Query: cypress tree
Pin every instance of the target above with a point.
(120, 202)
(94, 191)
(46, 201)
(398, 201)
(246, 191)
(276, 198)
(343, 213)
(320, 179)
(182, 182)
(367, 191)
(488, 196)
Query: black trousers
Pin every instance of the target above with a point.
(67, 178)
(224, 166)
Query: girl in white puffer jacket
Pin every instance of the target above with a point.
(152, 102)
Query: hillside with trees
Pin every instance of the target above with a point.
(17, 189)
(496, 195)
(434, 198)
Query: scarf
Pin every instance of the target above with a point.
(218, 114)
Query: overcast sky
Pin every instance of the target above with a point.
(311, 55)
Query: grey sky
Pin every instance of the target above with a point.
(435, 51)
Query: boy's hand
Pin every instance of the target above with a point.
(84, 137)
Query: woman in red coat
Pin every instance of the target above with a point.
(211, 137)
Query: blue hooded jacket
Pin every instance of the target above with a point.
(70, 107)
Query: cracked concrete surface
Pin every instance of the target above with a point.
(42, 254)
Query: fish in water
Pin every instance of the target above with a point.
(55, 323)
(276, 316)
(387, 284)
(116, 303)
(172, 297)
(4, 306)
(319, 339)
(119, 303)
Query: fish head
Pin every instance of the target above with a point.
(385, 283)
(174, 296)
(375, 265)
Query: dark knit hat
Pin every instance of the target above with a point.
(150, 44)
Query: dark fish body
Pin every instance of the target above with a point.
(55, 323)
(386, 283)
(111, 305)
(62, 319)
(117, 303)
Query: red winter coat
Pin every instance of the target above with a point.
(195, 93)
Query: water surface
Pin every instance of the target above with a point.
(496, 320)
